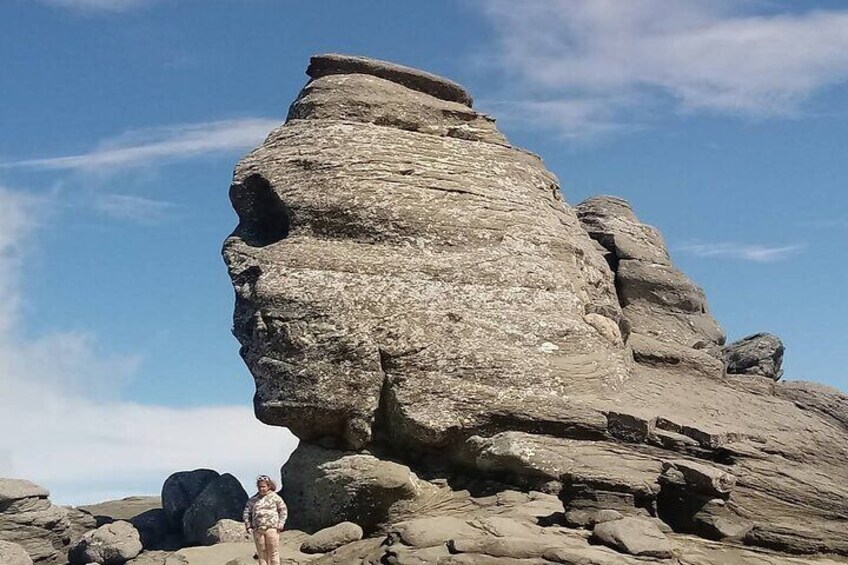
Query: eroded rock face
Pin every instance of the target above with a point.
(399, 265)
(30, 520)
(660, 303)
(413, 295)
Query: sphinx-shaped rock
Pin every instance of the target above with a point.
(660, 303)
(396, 276)
(416, 302)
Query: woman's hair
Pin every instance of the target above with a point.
(267, 480)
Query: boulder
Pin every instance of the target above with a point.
(222, 497)
(13, 554)
(328, 539)
(634, 536)
(225, 531)
(323, 487)
(179, 491)
(759, 354)
(110, 544)
(29, 519)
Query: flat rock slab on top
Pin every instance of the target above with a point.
(414, 79)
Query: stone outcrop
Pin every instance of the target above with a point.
(418, 304)
(180, 490)
(29, 519)
(660, 303)
(759, 354)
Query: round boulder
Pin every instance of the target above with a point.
(225, 531)
(223, 497)
(759, 354)
(13, 554)
(180, 490)
(331, 538)
(110, 544)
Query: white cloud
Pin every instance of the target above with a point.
(64, 423)
(697, 55)
(99, 5)
(746, 252)
(140, 148)
(132, 208)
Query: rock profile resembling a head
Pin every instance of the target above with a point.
(414, 298)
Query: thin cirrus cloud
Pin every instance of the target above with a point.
(135, 209)
(745, 252)
(588, 65)
(99, 5)
(141, 148)
(83, 441)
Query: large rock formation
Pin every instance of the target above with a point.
(29, 519)
(411, 287)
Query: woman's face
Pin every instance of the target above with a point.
(262, 487)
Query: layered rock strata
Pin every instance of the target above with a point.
(664, 310)
(419, 306)
(30, 520)
(412, 281)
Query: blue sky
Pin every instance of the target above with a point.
(723, 122)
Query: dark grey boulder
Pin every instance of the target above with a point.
(179, 491)
(759, 354)
(223, 497)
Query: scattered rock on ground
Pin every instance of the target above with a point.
(328, 539)
(110, 544)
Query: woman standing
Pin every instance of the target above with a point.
(264, 517)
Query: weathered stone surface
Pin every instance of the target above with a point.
(414, 79)
(413, 296)
(226, 531)
(825, 400)
(110, 544)
(29, 519)
(470, 240)
(634, 536)
(324, 487)
(328, 539)
(179, 491)
(658, 301)
(13, 554)
(223, 497)
(759, 354)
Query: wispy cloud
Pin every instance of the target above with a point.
(85, 442)
(99, 5)
(746, 252)
(598, 61)
(140, 148)
(132, 208)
